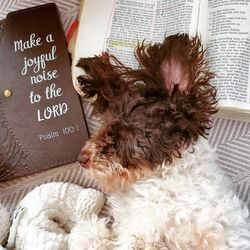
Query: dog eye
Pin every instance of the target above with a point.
(109, 133)
(108, 149)
(147, 135)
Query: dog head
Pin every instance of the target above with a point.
(162, 108)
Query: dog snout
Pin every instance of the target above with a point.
(84, 159)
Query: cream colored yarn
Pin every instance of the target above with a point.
(4, 224)
(48, 214)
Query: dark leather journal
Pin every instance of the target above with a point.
(41, 119)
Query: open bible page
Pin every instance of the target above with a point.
(149, 21)
(118, 26)
(229, 51)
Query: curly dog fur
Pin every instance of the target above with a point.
(165, 188)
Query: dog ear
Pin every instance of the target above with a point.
(178, 62)
(102, 79)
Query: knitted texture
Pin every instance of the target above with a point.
(4, 224)
(48, 214)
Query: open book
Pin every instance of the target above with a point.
(224, 26)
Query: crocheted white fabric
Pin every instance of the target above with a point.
(47, 216)
(4, 224)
